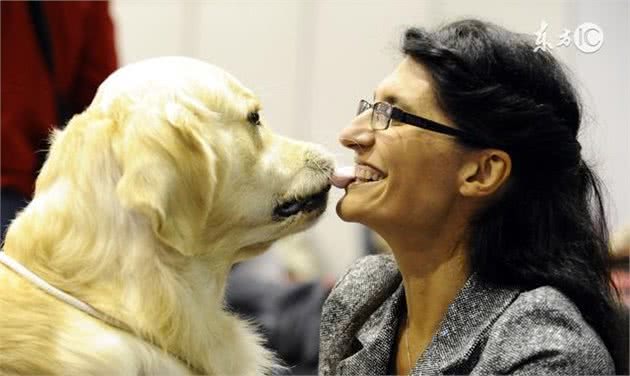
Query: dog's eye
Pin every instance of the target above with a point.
(254, 118)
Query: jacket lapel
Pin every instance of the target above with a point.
(454, 348)
(370, 339)
(375, 340)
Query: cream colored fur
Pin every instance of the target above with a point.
(145, 202)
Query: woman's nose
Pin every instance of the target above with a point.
(358, 135)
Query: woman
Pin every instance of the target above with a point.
(468, 165)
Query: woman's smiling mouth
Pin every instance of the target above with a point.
(365, 173)
(359, 174)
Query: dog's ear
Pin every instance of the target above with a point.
(168, 176)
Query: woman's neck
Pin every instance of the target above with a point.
(434, 269)
(429, 291)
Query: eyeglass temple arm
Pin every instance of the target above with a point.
(411, 119)
(407, 118)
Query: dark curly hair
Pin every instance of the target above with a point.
(548, 227)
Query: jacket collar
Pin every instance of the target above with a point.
(373, 337)
(468, 318)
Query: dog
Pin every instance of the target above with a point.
(145, 202)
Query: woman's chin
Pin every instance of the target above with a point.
(361, 201)
(349, 210)
(342, 212)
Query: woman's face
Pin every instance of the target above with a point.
(418, 167)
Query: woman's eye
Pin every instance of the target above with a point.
(254, 118)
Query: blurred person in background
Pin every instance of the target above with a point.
(620, 242)
(55, 54)
(469, 166)
(620, 261)
(287, 310)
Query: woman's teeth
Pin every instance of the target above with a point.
(343, 177)
(365, 174)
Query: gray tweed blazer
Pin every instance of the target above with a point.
(486, 330)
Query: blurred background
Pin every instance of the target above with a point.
(311, 60)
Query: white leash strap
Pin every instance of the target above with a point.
(50, 289)
(69, 299)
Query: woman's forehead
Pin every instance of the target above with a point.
(409, 87)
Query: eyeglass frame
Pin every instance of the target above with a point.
(411, 119)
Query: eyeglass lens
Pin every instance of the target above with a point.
(363, 106)
(381, 115)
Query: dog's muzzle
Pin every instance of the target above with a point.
(309, 203)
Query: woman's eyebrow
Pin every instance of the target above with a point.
(390, 98)
(395, 101)
(398, 102)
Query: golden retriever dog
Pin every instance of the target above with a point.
(145, 202)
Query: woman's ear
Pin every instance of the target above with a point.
(167, 181)
(484, 172)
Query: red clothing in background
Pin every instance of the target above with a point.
(83, 53)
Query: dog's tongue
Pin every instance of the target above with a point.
(342, 176)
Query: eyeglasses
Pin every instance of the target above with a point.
(383, 113)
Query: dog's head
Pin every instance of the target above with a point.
(198, 162)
